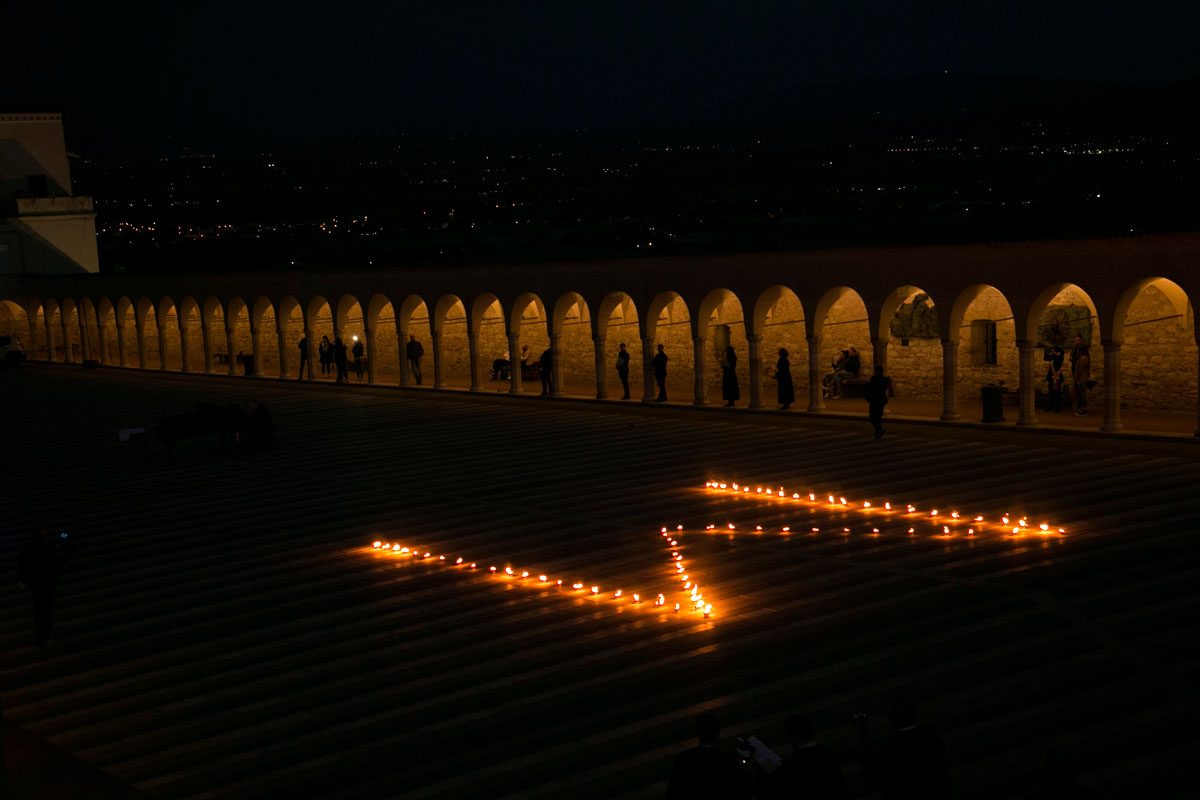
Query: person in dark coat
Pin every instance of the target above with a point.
(303, 345)
(325, 355)
(812, 771)
(783, 376)
(705, 771)
(38, 565)
(659, 363)
(414, 350)
(357, 352)
(729, 381)
(623, 369)
(877, 397)
(1081, 374)
(1054, 378)
(913, 766)
(339, 360)
(546, 369)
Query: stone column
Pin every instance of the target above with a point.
(369, 344)
(311, 348)
(949, 381)
(229, 350)
(281, 337)
(121, 359)
(50, 340)
(1112, 387)
(815, 401)
(1028, 395)
(648, 386)
(84, 346)
(438, 383)
(598, 343)
(752, 343)
(473, 360)
(102, 337)
(140, 328)
(514, 369)
(256, 350)
(162, 348)
(68, 350)
(402, 349)
(184, 353)
(699, 344)
(206, 343)
(556, 375)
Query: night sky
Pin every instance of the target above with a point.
(315, 69)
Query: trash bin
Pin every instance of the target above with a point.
(993, 403)
(248, 365)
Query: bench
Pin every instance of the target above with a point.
(529, 372)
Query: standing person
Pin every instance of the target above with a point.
(783, 376)
(546, 369)
(1054, 378)
(729, 382)
(38, 565)
(913, 766)
(357, 352)
(325, 354)
(812, 771)
(339, 360)
(1081, 375)
(659, 363)
(706, 771)
(623, 369)
(877, 391)
(303, 345)
(413, 350)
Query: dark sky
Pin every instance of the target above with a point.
(322, 68)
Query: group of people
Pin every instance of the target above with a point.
(334, 357)
(1080, 377)
(911, 765)
(502, 367)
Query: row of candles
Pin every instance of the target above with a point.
(1016, 525)
(688, 586)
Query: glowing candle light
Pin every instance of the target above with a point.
(812, 496)
(395, 548)
(677, 607)
(970, 531)
(910, 531)
(525, 574)
(377, 545)
(617, 594)
(708, 609)
(953, 515)
(842, 500)
(404, 551)
(508, 570)
(577, 586)
(472, 565)
(759, 490)
(558, 582)
(1062, 530)
(875, 531)
(746, 489)
(758, 527)
(458, 560)
(731, 526)
(1044, 527)
(595, 590)
(491, 569)
(735, 486)
(946, 529)
(637, 598)
(781, 492)
(441, 558)
(1023, 523)
(816, 530)
(979, 519)
(723, 486)
(710, 527)
(867, 504)
(1016, 531)
(1004, 520)
(678, 527)
(933, 513)
(845, 530)
(664, 530)
(830, 499)
(911, 508)
(786, 528)
(687, 584)
(796, 496)
(425, 556)
(887, 506)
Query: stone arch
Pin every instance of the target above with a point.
(146, 334)
(52, 324)
(1153, 325)
(529, 323)
(69, 326)
(384, 349)
(909, 337)
(491, 331)
(841, 320)
(192, 338)
(35, 312)
(618, 322)
(320, 327)
(168, 319)
(125, 318)
(106, 322)
(239, 339)
(571, 322)
(350, 328)
(450, 331)
(290, 321)
(778, 320)
(267, 352)
(14, 322)
(668, 322)
(721, 323)
(90, 326)
(983, 303)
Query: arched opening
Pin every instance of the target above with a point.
(528, 321)
(1057, 315)
(618, 324)
(147, 319)
(384, 350)
(106, 324)
(321, 336)
(1154, 324)
(982, 324)
(415, 326)
(844, 325)
(454, 350)
(218, 349)
(576, 353)
(266, 333)
(349, 328)
(192, 335)
(53, 328)
(14, 324)
(908, 323)
(168, 318)
(725, 327)
(125, 321)
(69, 320)
(89, 325)
(669, 323)
(237, 321)
(291, 332)
(779, 322)
(36, 347)
(487, 319)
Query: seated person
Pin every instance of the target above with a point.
(849, 369)
(500, 367)
(827, 381)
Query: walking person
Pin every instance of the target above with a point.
(729, 381)
(623, 369)
(877, 397)
(1081, 375)
(357, 352)
(1054, 378)
(413, 350)
(546, 370)
(38, 565)
(339, 360)
(303, 345)
(659, 363)
(783, 377)
(325, 355)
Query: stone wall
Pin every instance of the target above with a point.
(784, 328)
(1158, 358)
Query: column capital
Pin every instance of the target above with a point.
(753, 338)
(1110, 344)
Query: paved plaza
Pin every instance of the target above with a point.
(226, 628)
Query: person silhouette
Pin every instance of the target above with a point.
(546, 369)
(729, 381)
(783, 378)
(659, 363)
(413, 350)
(39, 563)
(303, 345)
(357, 352)
(339, 360)
(877, 397)
(623, 369)
(705, 771)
